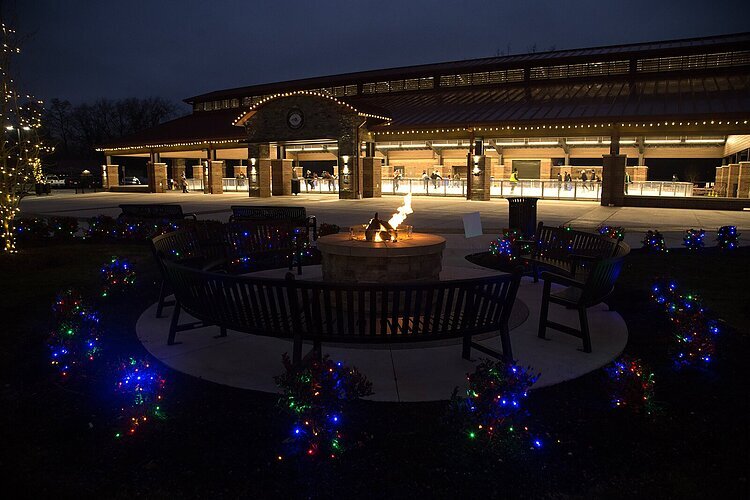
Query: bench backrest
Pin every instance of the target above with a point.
(345, 312)
(251, 212)
(258, 306)
(376, 313)
(555, 240)
(152, 211)
(601, 280)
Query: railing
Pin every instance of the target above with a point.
(547, 188)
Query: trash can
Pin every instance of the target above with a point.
(48, 188)
(522, 215)
(39, 188)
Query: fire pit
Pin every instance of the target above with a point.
(382, 252)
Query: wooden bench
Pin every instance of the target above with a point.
(345, 313)
(134, 211)
(295, 215)
(564, 250)
(580, 294)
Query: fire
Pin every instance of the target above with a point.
(401, 213)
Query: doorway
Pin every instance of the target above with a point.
(528, 169)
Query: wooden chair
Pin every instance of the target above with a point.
(590, 290)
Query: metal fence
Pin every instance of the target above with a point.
(549, 189)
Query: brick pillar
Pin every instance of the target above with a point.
(157, 177)
(478, 185)
(348, 177)
(372, 177)
(178, 168)
(743, 182)
(263, 189)
(197, 172)
(281, 177)
(112, 176)
(215, 175)
(613, 180)
(733, 177)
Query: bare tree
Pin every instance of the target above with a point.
(20, 142)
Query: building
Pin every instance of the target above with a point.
(608, 109)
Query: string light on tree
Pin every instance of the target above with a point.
(140, 387)
(653, 241)
(74, 339)
(728, 238)
(117, 276)
(315, 395)
(693, 239)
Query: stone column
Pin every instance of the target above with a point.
(215, 176)
(264, 179)
(372, 177)
(178, 168)
(112, 176)
(281, 177)
(157, 177)
(198, 171)
(613, 180)
(743, 182)
(732, 179)
(478, 182)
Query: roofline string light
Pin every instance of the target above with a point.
(170, 145)
(271, 97)
(555, 127)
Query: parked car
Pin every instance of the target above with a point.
(131, 180)
(54, 180)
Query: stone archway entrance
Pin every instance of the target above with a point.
(311, 116)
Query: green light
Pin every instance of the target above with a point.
(472, 435)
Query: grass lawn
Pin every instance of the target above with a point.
(222, 442)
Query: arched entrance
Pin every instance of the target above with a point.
(311, 116)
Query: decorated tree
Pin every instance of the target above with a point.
(21, 147)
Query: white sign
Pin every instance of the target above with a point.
(472, 225)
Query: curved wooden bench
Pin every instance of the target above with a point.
(348, 313)
(563, 250)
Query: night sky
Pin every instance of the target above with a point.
(85, 50)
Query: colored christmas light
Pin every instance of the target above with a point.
(693, 239)
(654, 241)
(140, 388)
(614, 232)
(492, 410)
(63, 228)
(506, 247)
(117, 276)
(315, 395)
(728, 238)
(693, 333)
(74, 340)
(631, 385)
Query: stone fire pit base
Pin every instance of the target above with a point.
(417, 259)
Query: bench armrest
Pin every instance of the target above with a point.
(561, 280)
(312, 222)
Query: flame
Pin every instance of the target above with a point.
(401, 213)
(377, 237)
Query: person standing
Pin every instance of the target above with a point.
(568, 180)
(559, 181)
(425, 180)
(295, 182)
(584, 179)
(396, 178)
(627, 181)
(513, 180)
(183, 183)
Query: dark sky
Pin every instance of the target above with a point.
(82, 50)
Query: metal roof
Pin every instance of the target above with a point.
(647, 49)
(623, 100)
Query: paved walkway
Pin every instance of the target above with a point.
(431, 214)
